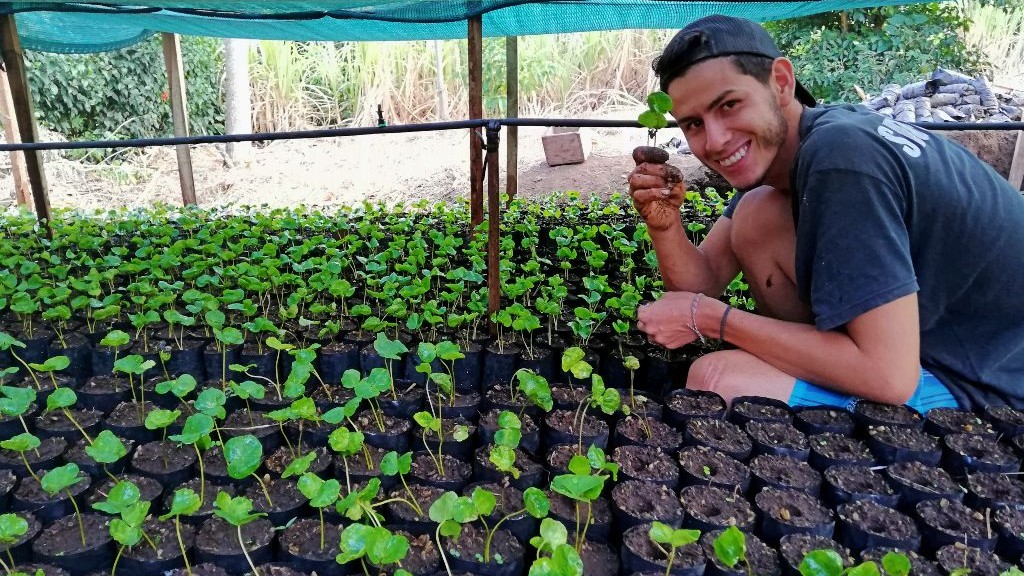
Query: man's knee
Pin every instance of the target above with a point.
(708, 372)
(733, 373)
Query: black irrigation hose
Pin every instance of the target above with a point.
(423, 127)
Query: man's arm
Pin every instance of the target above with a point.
(658, 192)
(876, 357)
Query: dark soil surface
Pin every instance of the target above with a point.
(956, 420)
(647, 501)
(760, 411)
(162, 534)
(858, 480)
(422, 557)
(840, 448)
(717, 507)
(302, 539)
(48, 448)
(30, 491)
(57, 422)
(568, 396)
(786, 472)
(283, 457)
(126, 415)
(64, 536)
(565, 508)
(824, 419)
(793, 508)
(876, 413)
(218, 537)
(104, 384)
(793, 548)
(714, 467)
(1007, 418)
(663, 436)
(149, 489)
(953, 518)
(777, 434)
(646, 463)
(162, 456)
(283, 493)
(982, 449)
(425, 496)
(697, 405)
(509, 498)
(423, 467)
(904, 438)
(720, 435)
(470, 543)
(978, 562)
(923, 477)
(919, 566)
(878, 520)
(562, 420)
(996, 487)
(559, 456)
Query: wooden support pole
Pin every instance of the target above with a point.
(179, 113)
(476, 112)
(493, 225)
(512, 105)
(1016, 176)
(21, 95)
(22, 186)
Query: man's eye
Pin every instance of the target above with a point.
(693, 125)
(729, 104)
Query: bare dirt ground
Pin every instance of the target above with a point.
(388, 168)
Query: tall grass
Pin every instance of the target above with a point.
(303, 84)
(999, 33)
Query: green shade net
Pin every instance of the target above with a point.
(78, 27)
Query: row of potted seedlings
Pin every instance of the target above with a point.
(566, 478)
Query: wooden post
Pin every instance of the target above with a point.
(21, 95)
(512, 105)
(179, 113)
(22, 186)
(1016, 176)
(476, 112)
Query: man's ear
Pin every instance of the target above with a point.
(783, 81)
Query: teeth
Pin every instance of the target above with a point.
(735, 157)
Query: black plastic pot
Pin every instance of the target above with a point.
(148, 460)
(917, 482)
(543, 362)
(866, 524)
(141, 559)
(499, 364)
(777, 439)
(80, 560)
(530, 473)
(1007, 420)
(845, 484)
(461, 449)
(555, 430)
(464, 405)
(944, 522)
(709, 508)
(513, 560)
(965, 454)
(821, 419)
(259, 532)
(639, 554)
(101, 358)
(78, 352)
(298, 545)
(216, 365)
(867, 414)
(785, 512)
(487, 426)
(635, 503)
(719, 435)
(469, 370)
(703, 466)
(188, 359)
(103, 392)
(457, 472)
(410, 400)
(21, 549)
(335, 358)
(891, 444)
(395, 435)
(46, 456)
(758, 408)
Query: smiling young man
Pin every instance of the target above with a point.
(880, 255)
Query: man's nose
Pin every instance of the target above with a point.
(716, 136)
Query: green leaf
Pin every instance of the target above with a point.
(684, 537)
(390, 349)
(579, 465)
(211, 402)
(61, 478)
(115, 338)
(243, 455)
(730, 546)
(659, 102)
(822, 563)
(55, 364)
(106, 448)
(354, 541)
(299, 465)
(12, 527)
(652, 119)
(21, 443)
(483, 501)
(582, 488)
(185, 502)
(16, 400)
(896, 564)
(62, 397)
(509, 420)
(536, 502)
(553, 533)
(571, 357)
(160, 418)
(120, 497)
(387, 548)
(345, 442)
(196, 427)
(660, 532)
(124, 533)
(320, 493)
(236, 511)
(7, 341)
(864, 569)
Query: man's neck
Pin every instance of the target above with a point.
(778, 175)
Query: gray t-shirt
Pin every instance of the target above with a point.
(883, 210)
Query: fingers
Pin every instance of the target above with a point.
(666, 172)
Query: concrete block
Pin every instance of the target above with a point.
(564, 145)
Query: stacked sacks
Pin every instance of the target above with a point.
(947, 97)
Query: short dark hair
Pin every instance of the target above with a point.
(753, 65)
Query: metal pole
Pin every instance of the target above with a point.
(512, 103)
(493, 223)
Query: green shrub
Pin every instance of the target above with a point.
(898, 44)
(124, 94)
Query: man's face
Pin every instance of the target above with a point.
(731, 121)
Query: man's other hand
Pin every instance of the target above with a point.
(657, 189)
(667, 321)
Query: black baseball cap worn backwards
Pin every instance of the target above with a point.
(715, 36)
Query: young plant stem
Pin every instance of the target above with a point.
(576, 534)
(415, 502)
(36, 450)
(113, 569)
(67, 413)
(492, 531)
(321, 511)
(30, 371)
(671, 558)
(202, 475)
(266, 493)
(586, 525)
(440, 549)
(29, 468)
(181, 543)
(78, 516)
(241, 543)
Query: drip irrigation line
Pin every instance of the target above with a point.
(400, 128)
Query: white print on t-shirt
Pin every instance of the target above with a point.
(914, 139)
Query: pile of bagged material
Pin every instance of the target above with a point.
(947, 97)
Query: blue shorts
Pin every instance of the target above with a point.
(930, 394)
